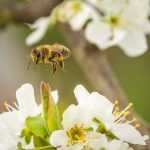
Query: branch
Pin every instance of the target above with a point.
(26, 12)
(98, 71)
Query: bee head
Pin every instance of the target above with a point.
(36, 55)
(65, 52)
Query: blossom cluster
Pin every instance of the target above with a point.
(106, 23)
(94, 123)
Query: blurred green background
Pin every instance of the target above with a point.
(133, 73)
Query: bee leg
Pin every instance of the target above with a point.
(37, 60)
(61, 64)
(54, 66)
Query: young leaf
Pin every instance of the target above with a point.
(50, 110)
(42, 144)
(37, 126)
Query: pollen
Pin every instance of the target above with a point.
(76, 134)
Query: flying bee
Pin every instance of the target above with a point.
(50, 54)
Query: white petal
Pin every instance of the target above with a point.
(118, 35)
(99, 102)
(26, 100)
(78, 20)
(12, 122)
(117, 145)
(99, 142)
(72, 147)
(101, 108)
(41, 26)
(128, 133)
(81, 94)
(144, 25)
(134, 43)
(59, 138)
(75, 115)
(55, 96)
(10, 128)
(98, 33)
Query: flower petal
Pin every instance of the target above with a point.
(12, 121)
(100, 107)
(81, 94)
(26, 100)
(117, 145)
(134, 43)
(98, 143)
(98, 33)
(75, 115)
(10, 128)
(128, 133)
(72, 147)
(78, 20)
(41, 26)
(59, 138)
(99, 102)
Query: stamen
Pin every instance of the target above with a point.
(77, 134)
(121, 119)
(137, 125)
(125, 112)
(131, 121)
(15, 104)
(8, 107)
(116, 107)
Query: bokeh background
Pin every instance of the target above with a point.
(133, 73)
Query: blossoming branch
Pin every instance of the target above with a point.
(106, 23)
(94, 123)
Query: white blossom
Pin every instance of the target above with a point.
(13, 121)
(105, 114)
(107, 23)
(124, 24)
(40, 26)
(76, 133)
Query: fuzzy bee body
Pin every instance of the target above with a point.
(50, 54)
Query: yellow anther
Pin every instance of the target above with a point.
(137, 125)
(126, 113)
(116, 102)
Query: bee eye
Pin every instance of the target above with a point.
(65, 52)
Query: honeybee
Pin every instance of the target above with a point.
(50, 54)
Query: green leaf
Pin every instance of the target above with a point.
(41, 144)
(50, 110)
(26, 134)
(37, 126)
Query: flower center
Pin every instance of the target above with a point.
(76, 6)
(114, 20)
(76, 134)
